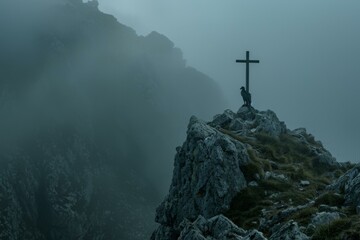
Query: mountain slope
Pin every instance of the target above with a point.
(90, 114)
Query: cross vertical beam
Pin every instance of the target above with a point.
(247, 61)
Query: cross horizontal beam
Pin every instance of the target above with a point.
(247, 61)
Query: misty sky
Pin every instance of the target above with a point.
(309, 51)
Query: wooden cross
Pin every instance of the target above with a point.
(247, 61)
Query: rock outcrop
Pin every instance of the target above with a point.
(349, 185)
(218, 227)
(289, 230)
(246, 122)
(207, 176)
(215, 228)
(244, 172)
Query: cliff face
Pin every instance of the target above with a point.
(62, 186)
(245, 175)
(201, 186)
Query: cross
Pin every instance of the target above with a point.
(247, 61)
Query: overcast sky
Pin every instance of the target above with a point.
(309, 51)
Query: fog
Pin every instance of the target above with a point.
(308, 51)
(91, 114)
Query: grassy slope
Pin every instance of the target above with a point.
(295, 160)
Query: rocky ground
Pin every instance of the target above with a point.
(246, 176)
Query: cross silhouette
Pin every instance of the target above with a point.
(247, 61)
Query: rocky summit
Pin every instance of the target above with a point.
(245, 175)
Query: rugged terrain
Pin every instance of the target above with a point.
(246, 176)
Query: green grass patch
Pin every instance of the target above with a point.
(331, 199)
(303, 216)
(246, 206)
(275, 185)
(256, 165)
(286, 155)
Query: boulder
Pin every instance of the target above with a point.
(254, 235)
(304, 183)
(288, 231)
(327, 208)
(255, 121)
(246, 113)
(323, 160)
(218, 227)
(349, 185)
(223, 120)
(322, 218)
(268, 123)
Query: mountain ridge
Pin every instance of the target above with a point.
(90, 113)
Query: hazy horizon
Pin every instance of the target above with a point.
(308, 52)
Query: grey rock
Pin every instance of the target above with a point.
(236, 125)
(349, 185)
(280, 177)
(322, 218)
(254, 235)
(207, 175)
(301, 134)
(304, 183)
(310, 229)
(218, 227)
(246, 113)
(223, 120)
(267, 175)
(323, 159)
(190, 232)
(253, 184)
(282, 215)
(327, 208)
(268, 123)
(248, 121)
(201, 223)
(288, 231)
(255, 121)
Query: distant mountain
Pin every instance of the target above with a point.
(246, 176)
(90, 117)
